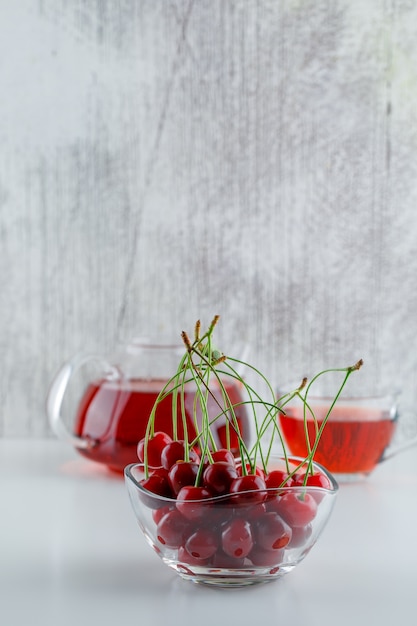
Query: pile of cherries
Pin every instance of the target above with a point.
(251, 516)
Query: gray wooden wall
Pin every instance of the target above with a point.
(168, 160)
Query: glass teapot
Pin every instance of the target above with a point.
(110, 413)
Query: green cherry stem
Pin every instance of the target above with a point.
(348, 371)
(204, 370)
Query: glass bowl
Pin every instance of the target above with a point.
(235, 539)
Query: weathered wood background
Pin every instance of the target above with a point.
(163, 161)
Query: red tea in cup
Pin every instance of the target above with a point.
(354, 439)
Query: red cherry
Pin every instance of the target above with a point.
(171, 529)
(157, 485)
(313, 480)
(220, 559)
(272, 533)
(202, 543)
(219, 513)
(181, 474)
(223, 454)
(237, 539)
(158, 514)
(218, 477)
(185, 557)
(258, 470)
(189, 502)
(154, 448)
(300, 536)
(252, 512)
(160, 471)
(266, 558)
(278, 478)
(297, 508)
(176, 451)
(250, 488)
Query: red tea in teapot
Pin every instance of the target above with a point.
(114, 415)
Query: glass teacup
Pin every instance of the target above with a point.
(362, 430)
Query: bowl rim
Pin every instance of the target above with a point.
(128, 474)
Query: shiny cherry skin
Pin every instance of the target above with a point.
(182, 473)
(266, 558)
(297, 508)
(202, 543)
(250, 488)
(171, 529)
(278, 478)
(189, 502)
(237, 538)
(272, 533)
(156, 444)
(225, 455)
(221, 559)
(185, 557)
(252, 512)
(160, 471)
(258, 470)
(300, 536)
(313, 480)
(176, 451)
(157, 485)
(158, 514)
(218, 477)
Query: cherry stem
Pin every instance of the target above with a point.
(201, 364)
(348, 371)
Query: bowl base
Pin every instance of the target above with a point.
(231, 578)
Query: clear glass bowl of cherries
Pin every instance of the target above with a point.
(213, 516)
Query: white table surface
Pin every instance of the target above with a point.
(71, 553)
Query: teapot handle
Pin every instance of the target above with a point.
(56, 394)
